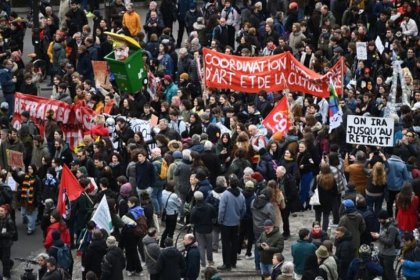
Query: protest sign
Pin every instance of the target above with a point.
(102, 216)
(15, 159)
(370, 131)
(267, 73)
(361, 50)
(101, 73)
(74, 120)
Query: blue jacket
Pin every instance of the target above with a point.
(169, 64)
(397, 173)
(170, 92)
(174, 203)
(232, 207)
(205, 187)
(411, 264)
(192, 262)
(6, 83)
(183, 7)
(301, 250)
(374, 268)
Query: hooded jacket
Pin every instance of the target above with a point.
(355, 223)
(232, 207)
(92, 258)
(261, 210)
(205, 187)
(170, 264)
(183, 172)
(276, 242)
(202, 216)
(330, 267)
(152, 253)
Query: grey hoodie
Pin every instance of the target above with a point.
(261, 210)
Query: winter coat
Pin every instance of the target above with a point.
(354, 223)
(8, 231)
(213, 164)
(411, 264)
(275, 240)
(387, 236)
(249, 198)
(261, 210)
(301, 250)
(170, 264)
(374, 268)
(92, 258)
(407, 218)
(64, 234)
(372, 225)
(157, 165)
(151, 252)
(113, 264)
(287, 185)
(84, 66)
(357, 175)
(344, 253)
(397, 173)
(170, 90)
(326, 196)
(52, 275)
(305, 162)
(7, 85)
(205, 187)
(202, 217)
(330, 266)
(232, 207)
(183, 172)
(192, 262)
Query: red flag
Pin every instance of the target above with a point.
(69, 189)
(278, 120)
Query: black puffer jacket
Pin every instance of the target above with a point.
(202, 216)
(344, 253)
(113, 264)
(170, 265)
(92, 258)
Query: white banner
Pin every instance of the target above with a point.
(370, 131)
(361, 50)
(102, 216)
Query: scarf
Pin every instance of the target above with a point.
(316, 235)
(28, 189)
(288, 158)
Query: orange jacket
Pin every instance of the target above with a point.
(132, 22)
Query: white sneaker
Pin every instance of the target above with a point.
(130, 273)
(251, 257)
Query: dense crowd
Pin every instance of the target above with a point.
(208, 165)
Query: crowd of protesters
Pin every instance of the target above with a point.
(209, 165)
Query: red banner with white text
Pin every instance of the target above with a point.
(268, 73)
(74, 120)
(278, 121)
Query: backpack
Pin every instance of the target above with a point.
(141, 227)
(64, 274)
(163, 174)
(63, 257)
(34, 127)
(362, 273)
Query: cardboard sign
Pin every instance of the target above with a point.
(361, 50)
(267, 73)
(370, 131)
(15, 159)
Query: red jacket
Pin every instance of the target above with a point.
(64, 234)
(407, 219)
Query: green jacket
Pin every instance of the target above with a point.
(276, 242)
(301, 250)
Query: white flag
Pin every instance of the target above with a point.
(102, 216)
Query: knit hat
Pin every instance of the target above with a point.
(249, 185)
(293, 6)
(268, 223)
(198, 196)
(184, 76)
(322, 252)
(126, 189)
(365, 250)
(257, 176)
(177, 155)
(4, 106)
(167, 78)
(348, 203)
(111, 241)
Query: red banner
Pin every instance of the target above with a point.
(267, 73)
(73, 119)
(278, 121)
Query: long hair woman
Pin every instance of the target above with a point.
(327, 190)
(306, 168)
(376, 186)
(407, 203)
